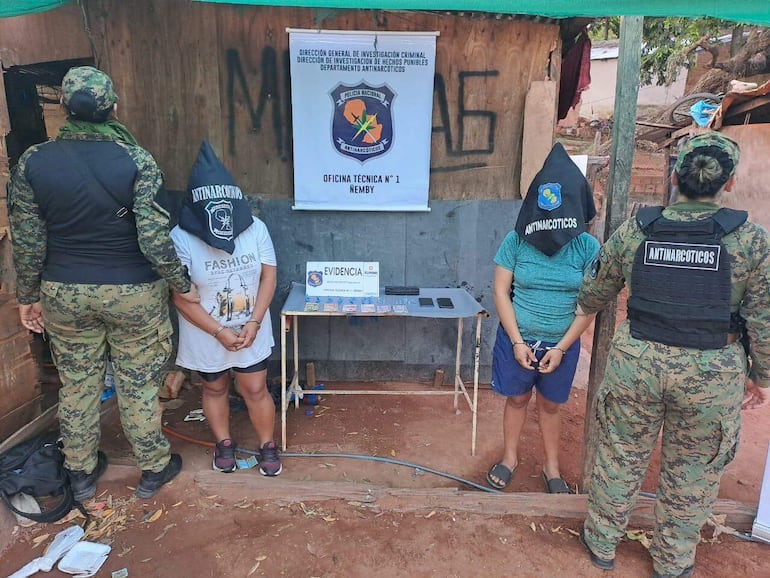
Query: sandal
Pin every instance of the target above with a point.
(556, 485)
(502, 473)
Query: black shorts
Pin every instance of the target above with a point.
(210, 377)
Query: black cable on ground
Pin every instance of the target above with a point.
(417, 467)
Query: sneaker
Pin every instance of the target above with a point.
(151, 481)
(83, 484)
(224, 456)
(269, 462)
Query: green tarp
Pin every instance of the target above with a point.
(748, 11)
(21, 7)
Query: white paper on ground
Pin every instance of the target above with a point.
(25, 503)
(84, 559)
(61, 544)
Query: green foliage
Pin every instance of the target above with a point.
(665, 40)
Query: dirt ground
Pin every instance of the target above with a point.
(190, 529)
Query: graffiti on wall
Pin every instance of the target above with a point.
(273, 100)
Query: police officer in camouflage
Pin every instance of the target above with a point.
(699, 278)
(94, 263)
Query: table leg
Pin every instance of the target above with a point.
(296, 360)
(457, 359)
(283, 381)
(475, 408)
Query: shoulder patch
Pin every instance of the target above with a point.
(594, 272)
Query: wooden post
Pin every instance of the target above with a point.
(438, 378)
(310, 374)
(622, 156)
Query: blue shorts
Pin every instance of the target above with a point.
(511, 379)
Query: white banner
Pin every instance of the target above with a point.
(362, 112)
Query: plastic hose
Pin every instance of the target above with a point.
(418, 467)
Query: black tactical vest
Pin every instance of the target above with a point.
(79, 187)
(681, 280)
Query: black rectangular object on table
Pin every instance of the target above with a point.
(401, 290)
(445, 303)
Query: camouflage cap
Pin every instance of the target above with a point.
(710, 139)
(89, 88)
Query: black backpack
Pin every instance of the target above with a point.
(36, 467)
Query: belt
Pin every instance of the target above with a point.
(733, 337)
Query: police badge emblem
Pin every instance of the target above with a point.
(362, 123)
(315, 278)
(549, 196)
(220, 214)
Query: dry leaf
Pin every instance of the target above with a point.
(164, 532)
(393, 453)
(312, 549)
(145, 560)
(177, 504)
(329, 519)
(39, 540)
(153, 517)
(556, 529)
(261, 557)
(253, 568)
(432, 513)
(571, 531)
(534, 528)
(212, 496)
(640, 536)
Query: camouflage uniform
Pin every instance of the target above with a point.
(694, 395)
(82, 320)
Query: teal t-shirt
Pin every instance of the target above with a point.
(545, 288)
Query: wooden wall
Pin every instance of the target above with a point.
(55, 35)
(189, 71)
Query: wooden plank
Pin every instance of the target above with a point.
(626, 92)
(38, 425)
(54, 35)
(310, 375)
(539, 111)
(245, 485)
(531, 504)
(18, 385)
(164, 60)
(747, 106)
(19, 416)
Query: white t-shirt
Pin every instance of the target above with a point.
(228, 286)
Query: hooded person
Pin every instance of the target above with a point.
(231, 260)
(539, 268)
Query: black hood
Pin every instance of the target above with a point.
(214, 209)
(558, 206)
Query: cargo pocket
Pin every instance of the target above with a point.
(630, 346)
(728, 444)
(164, 340)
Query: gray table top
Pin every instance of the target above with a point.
(297, 303)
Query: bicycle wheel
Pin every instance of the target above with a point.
(680, 110)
